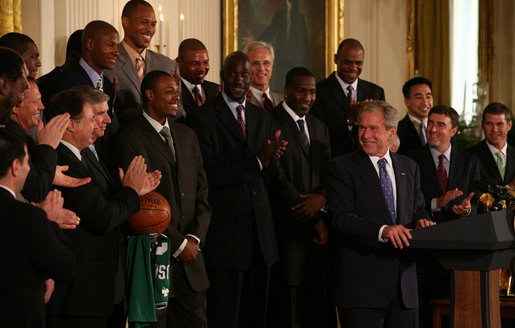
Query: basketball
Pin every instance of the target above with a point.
(153, 216)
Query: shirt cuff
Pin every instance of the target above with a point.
(260, 165)
(433, 206)
(381, 239)
(180, 249)
(194, 237)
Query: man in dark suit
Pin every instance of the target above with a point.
(73, 55)
(447, 175)
(26, 47)
(418, 97)
(374, 200)
(32, 248)
(302, 273)
(139, 25)
(261, 56)
(234, 138)
(193, 62)
(184, 186)
(99, 52)
(13, 77)
(43, 158)
(95, 297)
(339, 97)
(496, 156)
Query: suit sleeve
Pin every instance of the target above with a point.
(200, 223)
(341, 195)
(48, 248)
(42, 172)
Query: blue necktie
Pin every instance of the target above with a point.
(302, 133)
(386, 184)
(423, 138)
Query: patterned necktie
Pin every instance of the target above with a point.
(386, 184)
(100, 83)
(241, 122)
(423, 137)
(267, 103)
(501, 163)
(198, 97)
(165, 132)
(350, 89)
(442, 173)
(139, 67)
(302, 133)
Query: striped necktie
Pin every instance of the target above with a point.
(139, 67)
(442, 173)
(241, 122)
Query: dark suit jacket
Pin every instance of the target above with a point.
(42, 161)
(331, 107)
(183, 184)
(77, 76)
(303, 168)
(408, 135)
(128, 93)
(237, 192)
(32, 249)
(188, 103)
(463, 172)
(370, 273)
(97, 241)
(488, 167)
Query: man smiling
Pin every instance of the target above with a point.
(139, 26)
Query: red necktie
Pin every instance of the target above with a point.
(198, 97)
(267, 103)
(241, 122)
(442, 174)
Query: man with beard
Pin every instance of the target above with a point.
(339, 97)
(139, 25)
(26, 47)
(235, 140)
(13, 82)
(193, 61)
(173, 149)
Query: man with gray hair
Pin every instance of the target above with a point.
(374, 200)
(261, 56)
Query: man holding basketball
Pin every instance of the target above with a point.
(95, 297)
(173, 149)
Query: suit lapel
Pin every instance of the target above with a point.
(291, 126)
(510, 164)
(128, 68)
(187, 98)
(337, 91)
(227, 119)
(373, 186)
(156, 141)
(428, 159)
(401, 186)
(455, 162)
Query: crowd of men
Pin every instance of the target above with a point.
(284, 204)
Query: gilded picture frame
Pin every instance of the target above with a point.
(322, 23)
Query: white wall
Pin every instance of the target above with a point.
(50, 23)
(381, 26)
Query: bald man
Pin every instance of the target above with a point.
(136, 59)
(339, 96)
(99, 52)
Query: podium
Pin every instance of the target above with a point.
(475, 248)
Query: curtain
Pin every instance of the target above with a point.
(428, 45)
(10, 16)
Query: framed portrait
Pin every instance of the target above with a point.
(302, 32)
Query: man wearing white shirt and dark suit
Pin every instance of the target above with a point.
(374, 201)
(261, 56)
